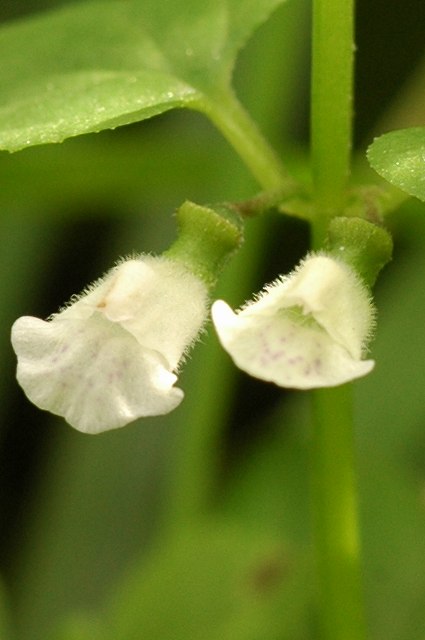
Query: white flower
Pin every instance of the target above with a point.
(110, 356)
(306, 330)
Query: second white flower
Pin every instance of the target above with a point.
(306, 330)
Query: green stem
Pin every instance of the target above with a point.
(335, 515)
(236, 125)
(331, 106)
(333, 476)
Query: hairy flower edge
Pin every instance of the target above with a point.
(303, 331)
(111, 356)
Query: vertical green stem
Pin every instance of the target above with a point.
(335, 516)
(333, 476)
(331, 106)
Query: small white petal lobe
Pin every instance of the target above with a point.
(96, 380)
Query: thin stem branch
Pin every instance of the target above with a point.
(236, 125)
(335, 514)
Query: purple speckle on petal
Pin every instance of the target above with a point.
(317, 364)
(295, 360)
(277, 355)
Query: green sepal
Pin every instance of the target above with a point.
(363, 245)
(207, 238)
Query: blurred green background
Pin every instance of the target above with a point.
(196, 525)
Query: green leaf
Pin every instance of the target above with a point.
(399, 157)
(97, 65)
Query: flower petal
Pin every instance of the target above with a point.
(110, 355)
(157, 300)
(290, 351)
(328, 290)
(94, 373)
(331, 291)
